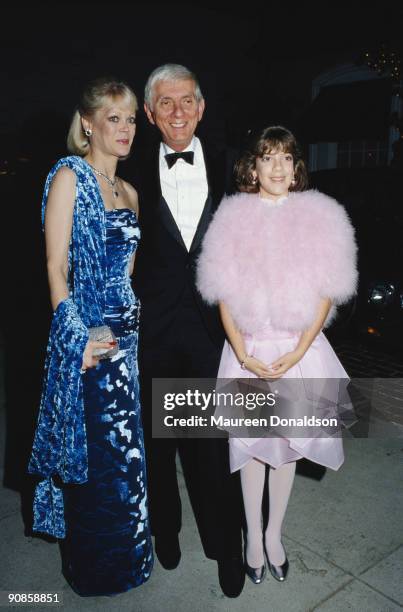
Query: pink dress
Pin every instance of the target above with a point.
(323, 252)
(320, 361)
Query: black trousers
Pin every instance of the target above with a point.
(187, 351)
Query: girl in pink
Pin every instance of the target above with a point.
(278, 259)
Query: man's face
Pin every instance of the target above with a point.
(176, 112)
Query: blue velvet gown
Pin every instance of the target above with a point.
(108, 547)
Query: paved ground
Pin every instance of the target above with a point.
(343, 536)
(363, 359)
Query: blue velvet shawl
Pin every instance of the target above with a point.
(60, 447)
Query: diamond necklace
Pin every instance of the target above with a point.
(108, 180)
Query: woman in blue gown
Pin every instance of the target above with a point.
(88, 449)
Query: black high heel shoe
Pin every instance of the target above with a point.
(256, 574)
(279, 572)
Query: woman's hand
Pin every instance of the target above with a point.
(257, 367)
(284, 363)
(89, 360)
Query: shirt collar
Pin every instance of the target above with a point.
(191, 147)
(194, 146)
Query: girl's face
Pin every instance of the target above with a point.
(274, 172)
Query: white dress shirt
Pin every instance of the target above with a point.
(184, 188)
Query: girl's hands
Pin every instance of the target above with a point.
(284, 363)
(257, 367)
(89, 360)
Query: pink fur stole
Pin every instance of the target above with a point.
(274, 263)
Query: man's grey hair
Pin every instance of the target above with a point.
(169, 72)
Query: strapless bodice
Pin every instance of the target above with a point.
(122, 237)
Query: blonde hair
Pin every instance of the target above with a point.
(92, 99)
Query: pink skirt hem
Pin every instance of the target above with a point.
(320, 361)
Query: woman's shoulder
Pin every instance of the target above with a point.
(67, 166)
(60, 186)
(62, 174)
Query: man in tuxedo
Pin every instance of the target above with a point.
(181, 183)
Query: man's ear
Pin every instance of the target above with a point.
(149, 114)
(202, 106)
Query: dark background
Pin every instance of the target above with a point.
(255, 63)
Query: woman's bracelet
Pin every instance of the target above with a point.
(243, 362)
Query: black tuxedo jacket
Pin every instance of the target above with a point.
(164, 269)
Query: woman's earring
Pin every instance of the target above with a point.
(293, 181)
(88, 132)
(254, 180)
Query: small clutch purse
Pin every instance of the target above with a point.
(103, 333)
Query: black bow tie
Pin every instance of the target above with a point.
(172, 158)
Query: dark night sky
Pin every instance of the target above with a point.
(251, 62)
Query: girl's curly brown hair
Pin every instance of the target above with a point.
(274, 138)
